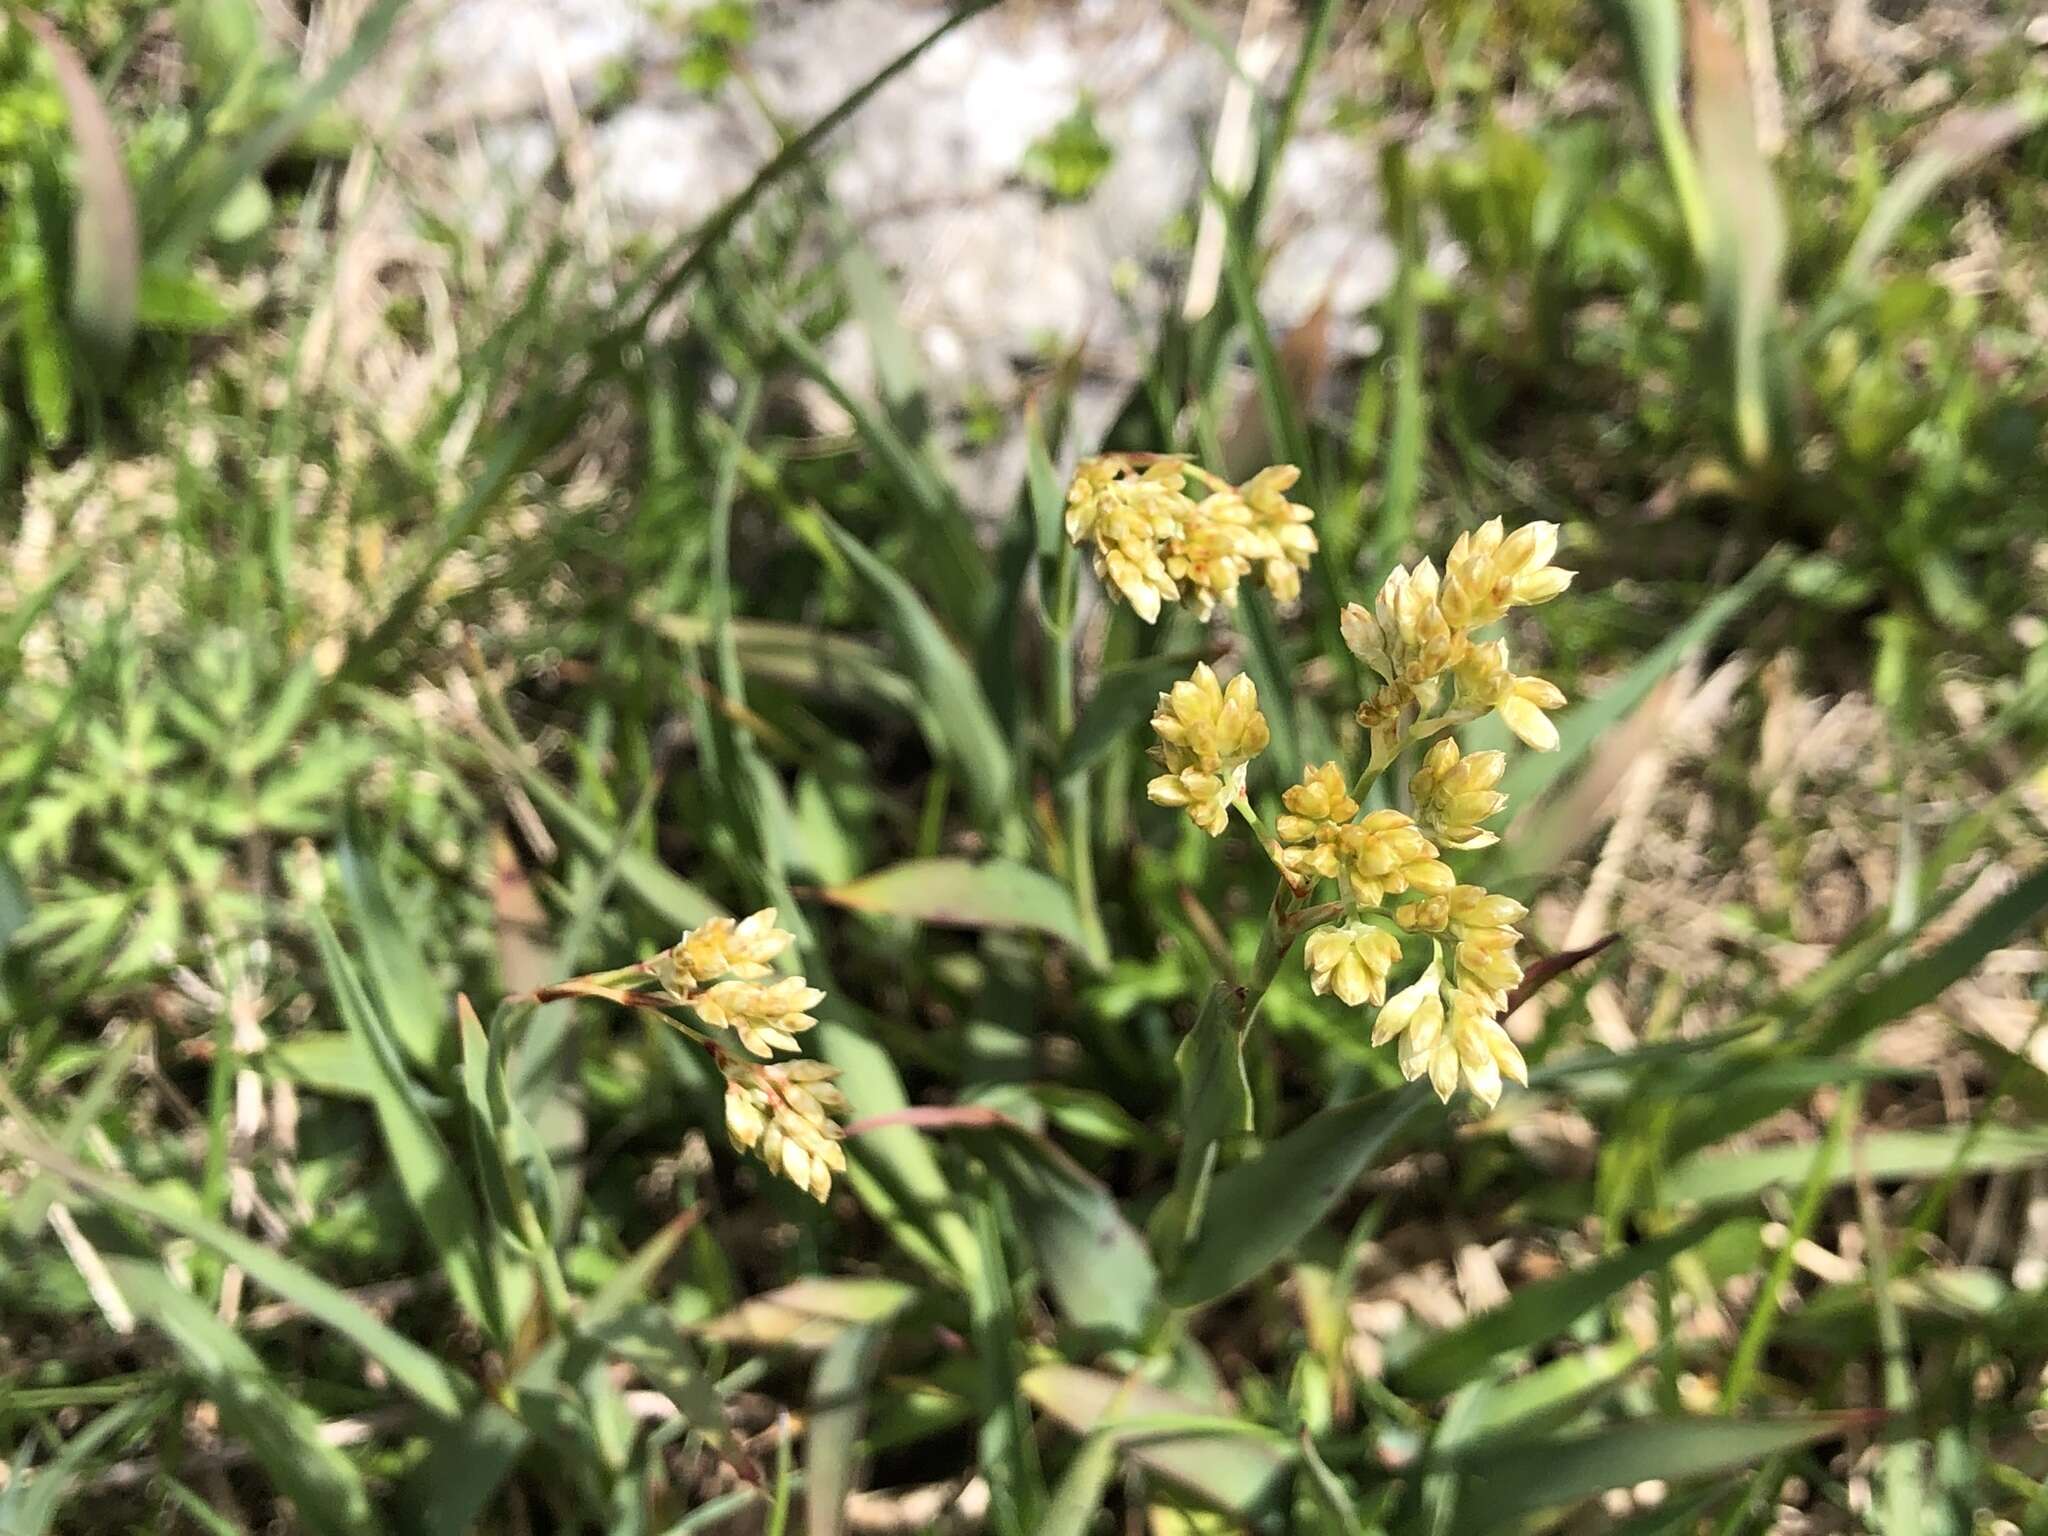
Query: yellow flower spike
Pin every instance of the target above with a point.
(1209, 557)
(1487, 963)
(766, 1019)
(1454, 794)
(1131, 516)
(1473, 907)
(1451, 1034)
(1385, 854)
(781, 1114)
(1283, 540)
(1208, 733)
(1317, 810)
(722, 948)
(1405, 637)
(1351, 960)
(1486, 683)
(1487, 573)
(1414, 1012)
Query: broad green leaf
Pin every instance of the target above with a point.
(959, 894)
(1259, 1210)
(957, 719)
(1536, 1313)
(425, 1169)
(256, 1408)
(1503, 1479)
(1124, 699)
(1094, 1261)
(106, 247)
(1239, 1473)
(1715, 1178)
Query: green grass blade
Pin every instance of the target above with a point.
(255, 1407)
(426, 1171)
(958, 721)
(34, 1496)
(1717, 1178)
(412, 1003)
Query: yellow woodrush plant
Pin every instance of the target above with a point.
(782, 1111)
(1395, 890)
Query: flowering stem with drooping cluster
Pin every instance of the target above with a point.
(1153, 544)
(782, 1111)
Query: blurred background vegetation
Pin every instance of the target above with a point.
(395, 612)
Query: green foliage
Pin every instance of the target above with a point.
(1071, 158)
(316, 730)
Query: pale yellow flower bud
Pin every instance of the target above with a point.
(1317, 809)
(1451, 1034)
(1208, 733)
(1486, 683)
(1130, 516)
(1405, 637)
(1432, 914)
(766, 1019)
(1351, 960)
(1385, 854)
(1415, 1010)
(722, 947)
(1283, 542)
(1487, 574)
(779, 1112)
(1454, 794)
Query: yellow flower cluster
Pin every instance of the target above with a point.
(1434, 676)
(1154, 543)
(718, 971)
(1450, 1031)
(1207, 735)
(1418, 634)
(784, 1114)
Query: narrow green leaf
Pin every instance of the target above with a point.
(255, 1407)
(411, 1368)
(1537, 1313)
(1239, 1473)
(1964, 136)
(959, 894)
(839, 1388)
(106, 248)
(1259, 1210)
(1124, 699)
(823, 665)
(1920, 982)
(1077, 1497)
(420, 1159)
(1531, 774)
(649, 1340)
(957, 718)
(809, 1313)
(1504, 1479)
(34, 1496)
(1745, 257)
(1715, 1178)
(411, 1002)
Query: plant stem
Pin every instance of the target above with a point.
(1215, 1096)
(1075, 809)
